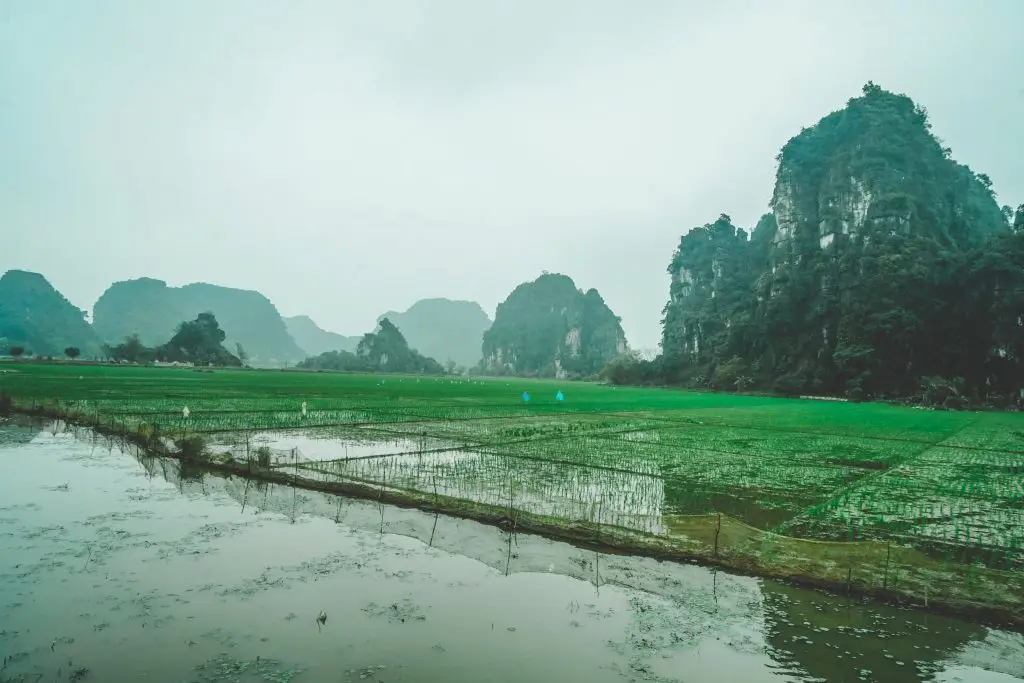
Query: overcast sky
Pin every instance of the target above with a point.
(350, 157)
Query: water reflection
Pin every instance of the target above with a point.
(809, 634)
(253, 552)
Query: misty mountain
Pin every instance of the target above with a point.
(153, 310)
(38, 318)
(549, 328)
(444, 329)
(314, 340)
(383, 350)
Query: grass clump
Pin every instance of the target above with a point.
(263, 454)
(192, 447)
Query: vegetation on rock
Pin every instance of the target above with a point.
(549, 328)
(35, 316)
(385, 350)
(444, 329)
(884, 270)
(200, 341)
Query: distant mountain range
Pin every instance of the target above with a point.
(36, 317)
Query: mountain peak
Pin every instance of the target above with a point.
(34, 315)
(443, 329)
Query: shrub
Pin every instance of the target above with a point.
(263, 454)
(191, 447)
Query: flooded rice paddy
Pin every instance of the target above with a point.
(115, 566)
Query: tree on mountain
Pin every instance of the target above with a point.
(72, 352)
(199, 341)
(385, 350)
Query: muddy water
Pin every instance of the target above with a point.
(118, 567)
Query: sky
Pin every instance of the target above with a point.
(347, 157)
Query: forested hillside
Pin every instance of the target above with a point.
(549, 328)
(884, 269)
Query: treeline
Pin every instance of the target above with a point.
(385, 350)
(200, 342)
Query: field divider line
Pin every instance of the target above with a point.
(860, 482)
(515, 412)
(682, 424)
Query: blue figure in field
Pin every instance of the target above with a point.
(559, 396)
(526, 397)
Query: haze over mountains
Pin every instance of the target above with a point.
(153, 310)
(437, 332)
(579, 138)
(36, 317)
(436, 327)
(314, 340)
(883, 266)
(443, 329)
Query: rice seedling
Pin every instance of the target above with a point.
(948, 484)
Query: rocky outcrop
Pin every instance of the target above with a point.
(846, 283)
(549, 328)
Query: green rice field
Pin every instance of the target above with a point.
(949, 484)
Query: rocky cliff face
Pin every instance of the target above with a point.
(153, 310)
(845, 283)
(36, 317)
(549, 328)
